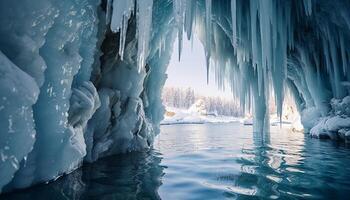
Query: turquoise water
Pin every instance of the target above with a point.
(212, 161)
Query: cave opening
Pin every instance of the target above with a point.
(187, 93)
(187, 84)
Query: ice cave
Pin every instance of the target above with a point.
(81, 80)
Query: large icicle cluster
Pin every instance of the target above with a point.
(259, 47)
(82, 79)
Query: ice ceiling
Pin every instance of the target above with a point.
(81, 79)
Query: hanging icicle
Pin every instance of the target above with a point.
(121, 13)
(208, 33)
(144, 25)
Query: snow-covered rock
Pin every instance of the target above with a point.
(247, 121)
(337, 125)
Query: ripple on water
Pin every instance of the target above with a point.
(232, 162)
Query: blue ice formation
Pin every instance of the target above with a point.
(82, 79)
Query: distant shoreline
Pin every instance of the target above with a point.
(176, 123)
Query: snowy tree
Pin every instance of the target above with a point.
(189, 98)
(185, 98)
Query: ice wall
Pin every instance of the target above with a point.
(73, 83)
(82, 79)
(131, 109)
(46, 43)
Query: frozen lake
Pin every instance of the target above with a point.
(212, 161)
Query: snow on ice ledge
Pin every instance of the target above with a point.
(337, 124)
(82, 79)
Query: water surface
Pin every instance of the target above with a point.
(224, 161)
(212, 161)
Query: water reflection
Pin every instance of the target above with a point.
(253, 161)
(131, 176)
(292, 166)
(212, 161)
(274, 169)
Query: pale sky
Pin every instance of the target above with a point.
(191, 70)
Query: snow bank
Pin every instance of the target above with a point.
(193, 115)
(337, 125)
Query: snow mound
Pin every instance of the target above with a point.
(337, 125)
